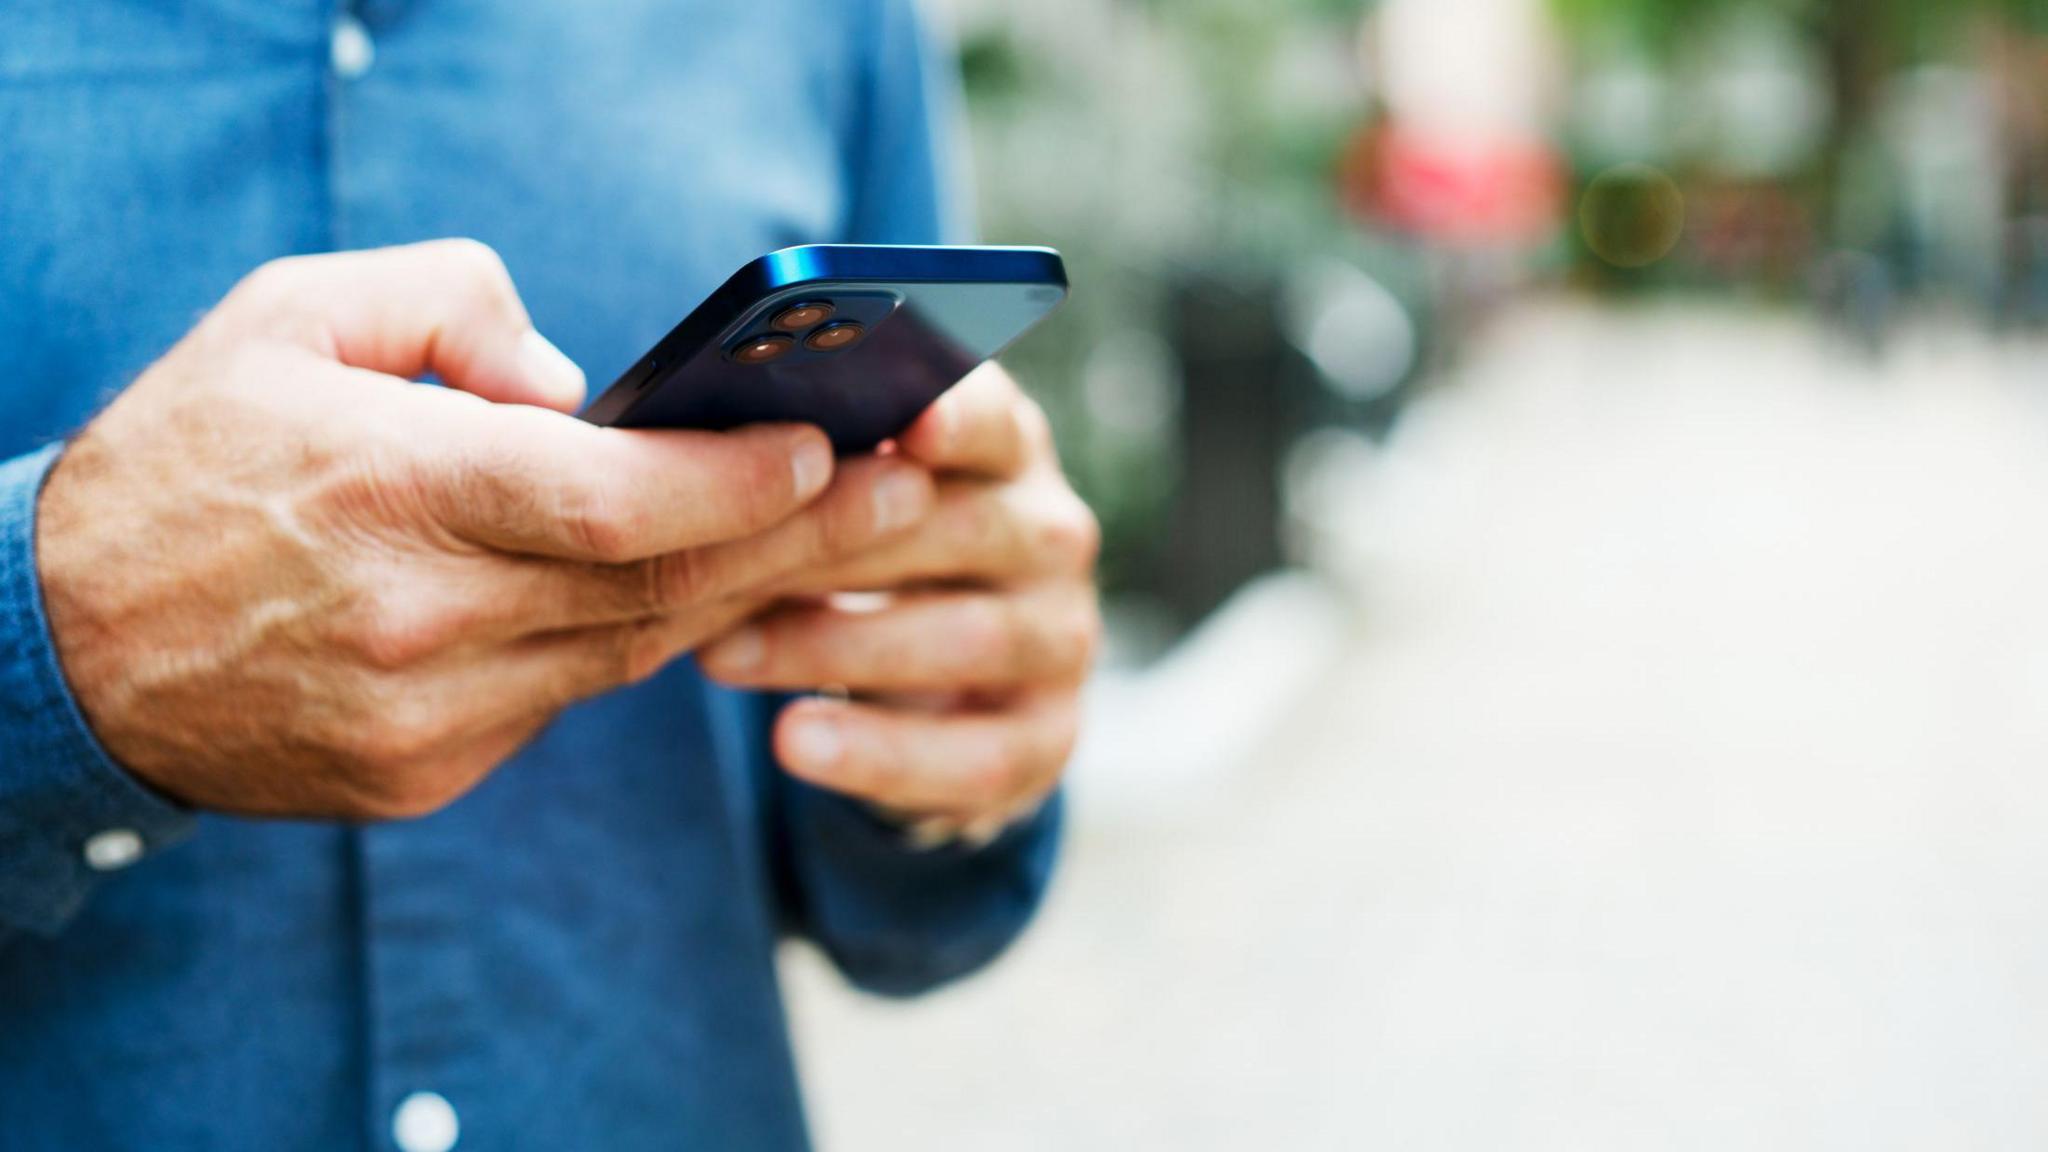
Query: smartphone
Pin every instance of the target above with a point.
(855, 339)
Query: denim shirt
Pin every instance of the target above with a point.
(579, 954)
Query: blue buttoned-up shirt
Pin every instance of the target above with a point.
(579, 954)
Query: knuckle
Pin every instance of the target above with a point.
(386, 749)
(392, 633)
(695, 577)
(406, 736)
(475, 258)
(485, 282)
(607, 528)
(986, 634)
(1079, 640)
(597, 664)
(995, 532)
(277, 295)
(272, 279)
(661, 583)
(840, 529)
(636, 656)
(1071, 535)
(827, 532)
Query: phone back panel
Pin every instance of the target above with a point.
(931, 315)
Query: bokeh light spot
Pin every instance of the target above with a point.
(1632, 215)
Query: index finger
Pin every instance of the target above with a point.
(445, 306)
(529, 481)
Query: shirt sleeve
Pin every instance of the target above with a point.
(67, 812)
(907, 155)
(895, 920)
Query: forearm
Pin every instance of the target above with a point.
(67, 812)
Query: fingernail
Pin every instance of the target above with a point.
(981, 833)
(816, 743)
(741, 652)
(899, 500)
(932, 834)
(812, 464)
(557, 375)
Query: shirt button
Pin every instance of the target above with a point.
(425, 1122)
(113, 850)
(349, 48)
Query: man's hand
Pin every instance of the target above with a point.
(285, 580)
(967, 676)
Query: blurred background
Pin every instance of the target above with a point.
(1576, 484)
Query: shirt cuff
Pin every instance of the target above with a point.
(898, 920)
(68, 813)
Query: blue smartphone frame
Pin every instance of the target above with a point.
(930, 316)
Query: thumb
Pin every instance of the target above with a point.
(446, 306)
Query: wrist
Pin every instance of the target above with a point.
(67, 561)
(67, 811)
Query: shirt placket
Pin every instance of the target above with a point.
(423, 1031)
(419, 1028)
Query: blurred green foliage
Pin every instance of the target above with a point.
(1910, 28)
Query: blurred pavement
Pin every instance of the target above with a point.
(1683, 784)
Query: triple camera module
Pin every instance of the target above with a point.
(811, 323)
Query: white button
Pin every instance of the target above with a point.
(113, 850)
(350, 49)
(425, 1122)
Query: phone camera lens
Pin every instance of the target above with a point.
(763, 349)
(804, 316)
(835, 337)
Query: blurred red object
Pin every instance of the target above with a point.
(1458, 193)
